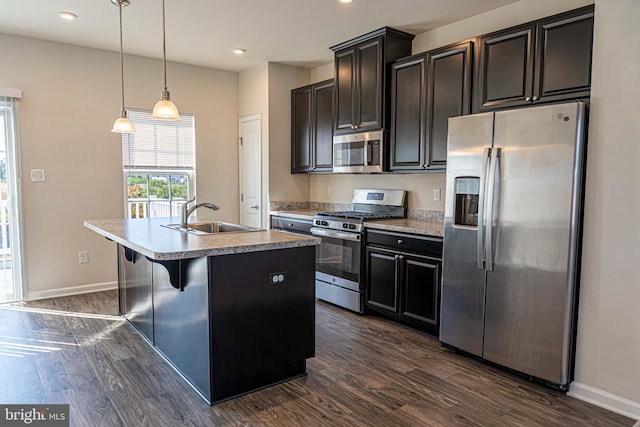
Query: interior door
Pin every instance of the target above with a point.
(250, 172)
(529, 297)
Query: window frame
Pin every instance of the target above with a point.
(129, 170)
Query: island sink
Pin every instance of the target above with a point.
(213, 227)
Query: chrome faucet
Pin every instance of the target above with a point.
(186, 210)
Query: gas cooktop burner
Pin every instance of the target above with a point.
(368, 205)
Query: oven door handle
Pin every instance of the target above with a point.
(354, 237)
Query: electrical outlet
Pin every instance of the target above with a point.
(277, 278)
(83, 257)
(436, 194)
(37, 175)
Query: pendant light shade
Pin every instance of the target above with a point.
(165, 109)
(122, 123)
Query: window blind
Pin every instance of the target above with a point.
(159, 144)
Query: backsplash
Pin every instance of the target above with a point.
(419, 214)
(309, 206)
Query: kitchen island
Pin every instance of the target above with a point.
(231, 312)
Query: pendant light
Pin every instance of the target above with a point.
(122, 123)
(165, 109)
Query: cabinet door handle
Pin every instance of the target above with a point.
(528, 99)
(535, 98)
(255, 206)
(400, 257)
(400, 241)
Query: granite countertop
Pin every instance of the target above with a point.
(408, 225)
(424, 227)
(149, 238)
(296, 214)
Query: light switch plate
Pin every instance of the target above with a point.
(436, 194)
(37, 175)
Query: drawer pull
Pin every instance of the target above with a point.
(400, 241)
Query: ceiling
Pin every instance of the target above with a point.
(202, 32)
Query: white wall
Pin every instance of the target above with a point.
(253, 90)
(283, 185)
(266, 90)
(338, 188)
(71, 98)
(608, 353)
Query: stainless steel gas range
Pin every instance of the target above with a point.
(339, 261)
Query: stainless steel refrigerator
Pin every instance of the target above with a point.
(512, 237)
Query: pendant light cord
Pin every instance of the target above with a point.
(121, 59)
(164, 50)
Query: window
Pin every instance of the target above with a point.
(158, 164)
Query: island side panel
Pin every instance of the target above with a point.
(134, 285)
(181, 324)
(262, 331)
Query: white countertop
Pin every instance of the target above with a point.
(149, 238)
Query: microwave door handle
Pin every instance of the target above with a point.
(496, 153)
(483, 182)
(365, 157)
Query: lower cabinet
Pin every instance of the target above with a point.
(403, 276)
(229, 324)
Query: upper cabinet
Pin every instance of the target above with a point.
(361, 79)
(546, 60)
(312, 128)
(426, 90)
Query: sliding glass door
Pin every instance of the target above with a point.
(10, 227)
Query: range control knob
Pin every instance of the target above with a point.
(352, 226)
(345, 225)
(325, 223)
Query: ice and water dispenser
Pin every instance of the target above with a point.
(467, 190)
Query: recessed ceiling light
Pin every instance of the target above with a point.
(68, 16)
(238, 51)
(345, 1)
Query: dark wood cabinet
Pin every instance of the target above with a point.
(542, 61)
(408, 114)
(135, 288)
(301, 130)
(361, 74)
(402, 280)
(322, 125)
(382, 279)
(449, 74)
(312, 128)
(426, 90)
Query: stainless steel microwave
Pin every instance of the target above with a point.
(358, 152)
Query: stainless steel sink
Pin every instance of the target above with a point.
(213, 227)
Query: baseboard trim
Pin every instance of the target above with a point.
(71, 290)
(604, 399)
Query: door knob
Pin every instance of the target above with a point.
(528, 99)
(255, 207)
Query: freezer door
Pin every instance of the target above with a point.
(530, 292)
(463, 282)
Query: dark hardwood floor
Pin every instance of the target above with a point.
(367, 372)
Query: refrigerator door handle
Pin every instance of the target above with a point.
(486, 153)
(495, 154)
